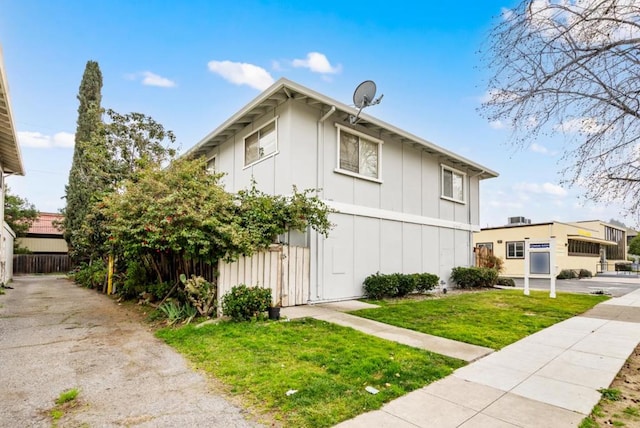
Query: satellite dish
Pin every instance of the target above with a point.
(364, 96)
(364, 93)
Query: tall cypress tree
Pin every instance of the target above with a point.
(82, 183)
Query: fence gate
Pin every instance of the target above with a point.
(41, 263)
(284, 269)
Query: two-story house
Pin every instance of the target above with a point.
(403, 203)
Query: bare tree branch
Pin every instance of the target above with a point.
(573, 67)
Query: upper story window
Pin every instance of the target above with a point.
(452, 184)
(515, 250)
(359, 154)
(211, 165)
(261, 144)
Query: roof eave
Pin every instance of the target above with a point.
(286, 86)
(9, 147)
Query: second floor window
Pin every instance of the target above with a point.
(260, 144)
(359, 155)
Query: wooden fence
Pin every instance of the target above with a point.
(284, 269)
(41, 263)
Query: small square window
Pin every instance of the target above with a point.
(261, 143)
(452, 184)
(515, 250)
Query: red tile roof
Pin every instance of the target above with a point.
(44, 224)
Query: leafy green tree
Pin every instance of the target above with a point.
(19, 214)
(634, 246)
(133, 140)
(177, 212)
(85, 177)
(266, 216)
(167, 215)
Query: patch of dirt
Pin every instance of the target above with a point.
(625, 411)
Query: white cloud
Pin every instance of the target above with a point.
(497, 124)
(538, 148)
(242, 73)
(42, 141)
(317, 63)
(152, 79)
(581, 125)
(544, 188)
(506, 204)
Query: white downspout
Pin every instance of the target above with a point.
(319, 165)
(469, 218)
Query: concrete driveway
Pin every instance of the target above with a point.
(55, 336)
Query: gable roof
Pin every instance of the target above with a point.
(44, 224)
(9, 148)
(284, 90)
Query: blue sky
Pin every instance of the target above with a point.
(192, 64)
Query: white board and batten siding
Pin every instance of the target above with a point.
(283, 269)
(399, 223)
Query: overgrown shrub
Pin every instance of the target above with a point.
(379, 286)
(567, 274)
(426, 282)
(488, 260)
(505, 282)
(202, 294)
(135, 280)
(243, 303)
(584, 273)
(91, 276)
(159, 290)
(474, 277)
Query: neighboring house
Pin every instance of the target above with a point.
(593, 245)
(10, 164)
(404, 204)
(43, 237)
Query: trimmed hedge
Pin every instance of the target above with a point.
(378, 286)
(505, 282)
(585, 273)
(243, 303)
(474, 277)
(567, 274)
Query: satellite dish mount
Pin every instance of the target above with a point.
(364, 96)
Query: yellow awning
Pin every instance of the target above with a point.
(592, 239)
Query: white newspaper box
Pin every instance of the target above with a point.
(540, 262)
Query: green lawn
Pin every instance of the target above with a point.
(328, 365)
(493, 318)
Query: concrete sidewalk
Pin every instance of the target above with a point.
(334, 313)
(548, 379)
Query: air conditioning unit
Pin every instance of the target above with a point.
(518, 220)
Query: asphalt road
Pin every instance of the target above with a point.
(615, 285)
(55, 336)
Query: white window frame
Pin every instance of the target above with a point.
(463, 175)
(515, 249)
(263, 157)
(364, 136)
(213, 158)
